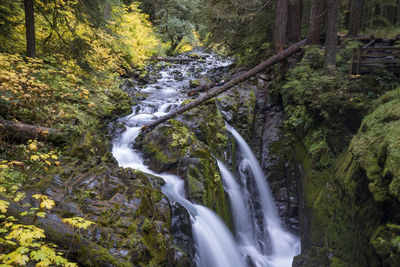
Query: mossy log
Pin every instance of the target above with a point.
(81, 250)
(16, 131)
(220, 89)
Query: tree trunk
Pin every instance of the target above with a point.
(347, 16)
(331, 36)
(316, 20)
(389, 13)
(15, 131)
(220, 89)
(294, 20)
(280, 23)
(30, 28)
(356, 17)
(200, 88)
(398, 12)
(79, 249)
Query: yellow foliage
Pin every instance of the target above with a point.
(78, 222)
(4, 206)
(47, 204)
(35, 157)
(26, 240)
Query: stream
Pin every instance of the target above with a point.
(250, 244)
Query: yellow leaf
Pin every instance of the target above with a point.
(33, 147)
(37, 196)
(4, 206)
(20, 259)
(19, 196)
(47, 204)
(34, 157)
(41, 214)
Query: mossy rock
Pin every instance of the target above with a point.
(88, 145)
(238, 107)
(386, 242)
(175, 147)
(168, 143)
(208, 125)
(375, 148)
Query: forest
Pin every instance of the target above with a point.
(208, 133)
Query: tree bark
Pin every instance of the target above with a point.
(21, 132)
(220, 89)
(331, 36)
(398, 13)
(356, 17)
(30, 28)
(280, 23)
(83, 251)
(200, 88)
(316, 20)
(294, 20)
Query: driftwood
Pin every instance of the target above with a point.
(21, 132)
(171, 59)
(220, 89)
(79, 249)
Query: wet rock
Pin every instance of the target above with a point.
(314, 257)
(175, 147)
(132, 216)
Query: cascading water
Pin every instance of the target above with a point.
(214, 242)
(283, 245)
(215, 245)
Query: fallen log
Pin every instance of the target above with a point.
(220, 89)
(171, 59)
(85, 252)
(200, 88)
(17, 131)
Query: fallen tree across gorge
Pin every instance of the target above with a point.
(220, 89)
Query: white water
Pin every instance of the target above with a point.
(215, 245)
(283, 245)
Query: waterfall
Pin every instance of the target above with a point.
(283, 245)
(215, 245)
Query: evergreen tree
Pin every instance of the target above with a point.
(30, 29)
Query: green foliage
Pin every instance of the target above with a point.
(318, 107)
(175, 20)
(242, 28)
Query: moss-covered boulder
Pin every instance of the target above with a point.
(173, 146)
(238, 107)
(376, 148)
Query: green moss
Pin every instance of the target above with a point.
(173, 145)
(375, 148)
